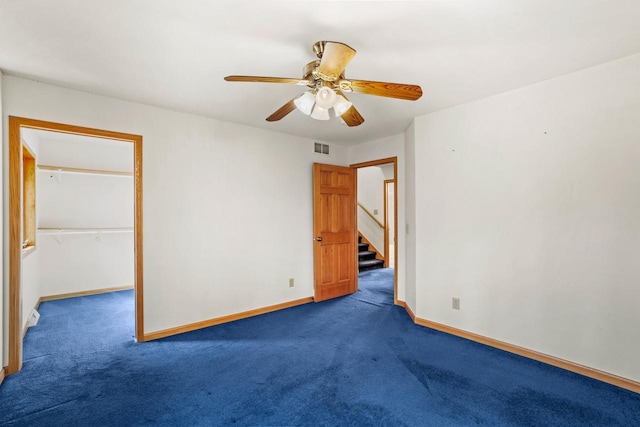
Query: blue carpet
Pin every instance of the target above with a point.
(352, 361)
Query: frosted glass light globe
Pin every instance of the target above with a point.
(341, 105)
(305, 102)
(326, 97)
(320, 113)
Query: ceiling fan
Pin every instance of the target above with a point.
(325, 77)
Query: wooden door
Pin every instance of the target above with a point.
(334, 225)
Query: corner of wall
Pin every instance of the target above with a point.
(408, 228)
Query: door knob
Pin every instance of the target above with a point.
(319, 239)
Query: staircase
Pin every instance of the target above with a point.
(366, 258)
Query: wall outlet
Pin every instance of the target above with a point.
(455, 303)
(292, 282)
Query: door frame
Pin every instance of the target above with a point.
(385, 192)
(15, 224)
(380, 162)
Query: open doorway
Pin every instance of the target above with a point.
(20, 209)
(377, 207)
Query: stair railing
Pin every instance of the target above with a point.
(381, 225)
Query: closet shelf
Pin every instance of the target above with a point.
(64, 169)
(67, 230)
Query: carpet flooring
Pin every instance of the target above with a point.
(351, 361)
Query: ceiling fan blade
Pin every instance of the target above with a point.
(282, 111)
(351, 117)
(335, 58)
(389, 90)
(287, 80)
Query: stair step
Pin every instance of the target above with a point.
(363, 247)
(365, 255)
(370, 264)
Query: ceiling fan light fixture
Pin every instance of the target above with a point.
(326, 97)
(320, 113)
(341, 105)
(305, 103)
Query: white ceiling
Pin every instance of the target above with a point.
(175, 54)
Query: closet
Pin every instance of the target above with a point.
(84, 200)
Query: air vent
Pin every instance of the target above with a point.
(320, 148)
(33, 318)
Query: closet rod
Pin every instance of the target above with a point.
(85, 171)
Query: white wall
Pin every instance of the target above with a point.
(72, 200)
(3, 319)
(218, 198)
(383, 148)
(82, 262)
(528, 209)
(370, 190)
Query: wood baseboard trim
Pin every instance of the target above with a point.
(409, 311)
(531, 354)
(82, 294)
(3, 373)
(224, 319)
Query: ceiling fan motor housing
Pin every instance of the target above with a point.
(309, 72)
(318, 48)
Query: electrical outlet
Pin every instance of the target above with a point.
(455, 303)
(292, 282)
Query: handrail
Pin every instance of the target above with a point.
(371, 215)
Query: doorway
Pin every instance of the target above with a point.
(17, 225)
(389, 228)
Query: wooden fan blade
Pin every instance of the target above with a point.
(351, 117)
(287, 80)
(389, 90)
(335, 58)
(282, 111)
